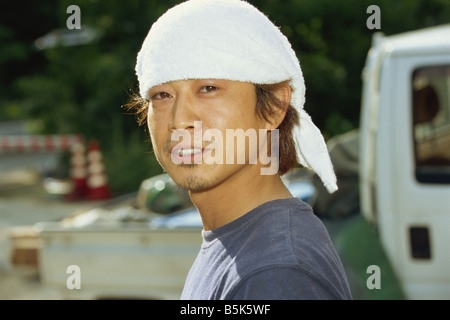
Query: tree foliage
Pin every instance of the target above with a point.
(67, 89)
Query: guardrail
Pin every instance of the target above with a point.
(38, 143)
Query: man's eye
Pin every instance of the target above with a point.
(206, 89)
(161, 95)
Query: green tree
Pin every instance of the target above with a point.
(18, 57)
(331, 40)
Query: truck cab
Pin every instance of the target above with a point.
(405, 156)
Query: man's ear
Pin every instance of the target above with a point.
(283, 93)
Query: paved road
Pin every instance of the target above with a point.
(23, 203)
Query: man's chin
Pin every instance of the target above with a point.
(195, 184)
(187, 178)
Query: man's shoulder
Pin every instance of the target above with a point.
(286, 238)
(282, 231)
(289, 221)
(275, 243)
(284, 283)
(285, 211)
(297, 209)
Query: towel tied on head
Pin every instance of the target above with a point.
(231, 40)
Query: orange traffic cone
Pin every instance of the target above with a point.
(97, 182)
(78, 171)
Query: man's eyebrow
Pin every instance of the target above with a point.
(156, 86)
(149, 95)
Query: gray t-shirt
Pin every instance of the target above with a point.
(279, 250)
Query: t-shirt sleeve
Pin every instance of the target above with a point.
(281, 283)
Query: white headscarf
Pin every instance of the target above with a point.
(231, 40)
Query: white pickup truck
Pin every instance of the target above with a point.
(133, 249)
(404, 167)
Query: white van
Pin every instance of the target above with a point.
(405, 156)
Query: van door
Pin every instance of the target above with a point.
(422, 174)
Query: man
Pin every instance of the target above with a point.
(218, 84)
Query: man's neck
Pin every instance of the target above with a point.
(236, 196)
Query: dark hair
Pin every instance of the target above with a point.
(266, 102)
(138, 106)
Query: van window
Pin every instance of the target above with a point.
(431, 123)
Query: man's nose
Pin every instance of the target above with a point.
(184, 112)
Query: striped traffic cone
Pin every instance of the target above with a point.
(97, 182)
(78, 171)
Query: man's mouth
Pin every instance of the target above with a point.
(188, 152)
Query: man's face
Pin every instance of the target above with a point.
(181, 112)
